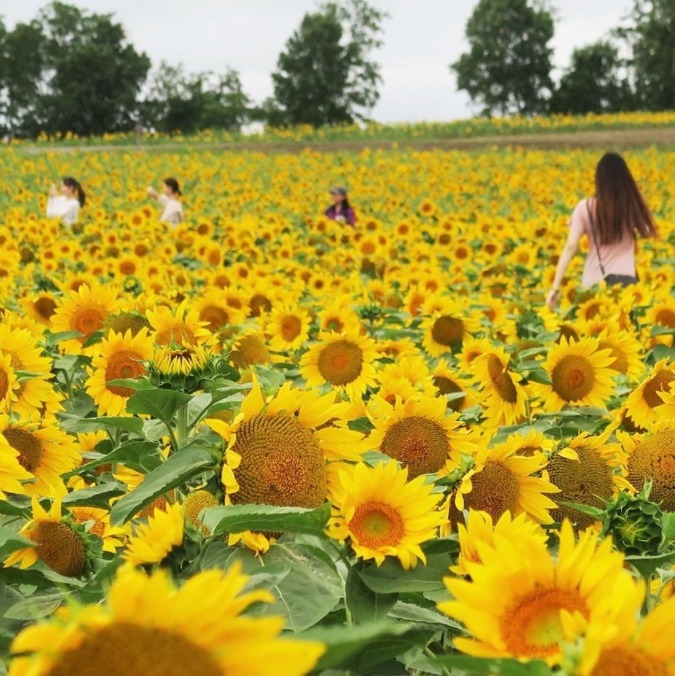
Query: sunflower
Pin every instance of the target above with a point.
(153, 541)
(179, 359)
(344, 361)
(633, 647)
(446, 329)
(55, 542)
(651, 457)
(505, 398)
(195, 502)
(420, 434)
(12, 473)
(525, 605)
(626, 350)
(149, 626)
(212, 309)
(84, 311)
(642, 404)
(40, 306)
(97, 521)
(250, 349)
(120, 357)
(338, 317)
(8, 382)
(126, 321)
(532, 442)
(588, 471)
(580, 374)
(479, 532)
(277, 450)
(178, 328)
(472, 348)
(35, 395)
(44, 450)
(287, 327)
(502, 481)
(382, 513)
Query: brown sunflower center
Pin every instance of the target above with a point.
(281, 463)
(665, 317)
(657, 383)
(419, 443)
(653, 458)
(290, 328)
(123, 365)
(59, 547)
(250, 351)
(340, 363)
(127, 649)
(573, 377)
(195, 502)
(377, 524)
(86, 320)
(82, 516)
(127, 321)
(45, 307)
(27, 445)
(446, 385)
(587, 481)
(214, 316)
(448, 331)
(4, 384)
(495, 490)
(533, 627)
(176, 335)
(259, 304)
(628, 660)
(501, 380)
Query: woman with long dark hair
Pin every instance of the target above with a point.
(169, 200)
(613, 220)
(66, 204)
(341, 210)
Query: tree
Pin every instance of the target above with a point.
(653, 53)
(508, 66)
(94, 75)
(178, 101)
(593, 83)
(326, 75)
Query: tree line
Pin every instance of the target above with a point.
(70, 70)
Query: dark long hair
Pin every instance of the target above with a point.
(173, 184)
(619, 206)
(75, 185)
(345, 205)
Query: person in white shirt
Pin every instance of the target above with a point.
(172, 209)
(66, 204)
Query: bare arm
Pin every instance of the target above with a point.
(567, 254)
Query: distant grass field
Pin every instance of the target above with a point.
(634, 128)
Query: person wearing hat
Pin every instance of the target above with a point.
(340, 210)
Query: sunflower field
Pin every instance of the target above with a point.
(263, 442)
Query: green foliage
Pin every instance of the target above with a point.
(186, 102)
(593, 82)
(652, 37)
(508, 66)
(325, 75)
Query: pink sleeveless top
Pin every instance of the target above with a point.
(617, 258)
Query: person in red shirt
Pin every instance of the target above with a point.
(341, 210)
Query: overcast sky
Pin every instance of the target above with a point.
(421, 38)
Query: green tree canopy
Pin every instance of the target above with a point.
(179, 101)
(593, 83)
(652, 37)
(326, 74)
(508, 66)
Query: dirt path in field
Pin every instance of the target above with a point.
(615, 138)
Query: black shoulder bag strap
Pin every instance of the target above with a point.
(595, 241)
